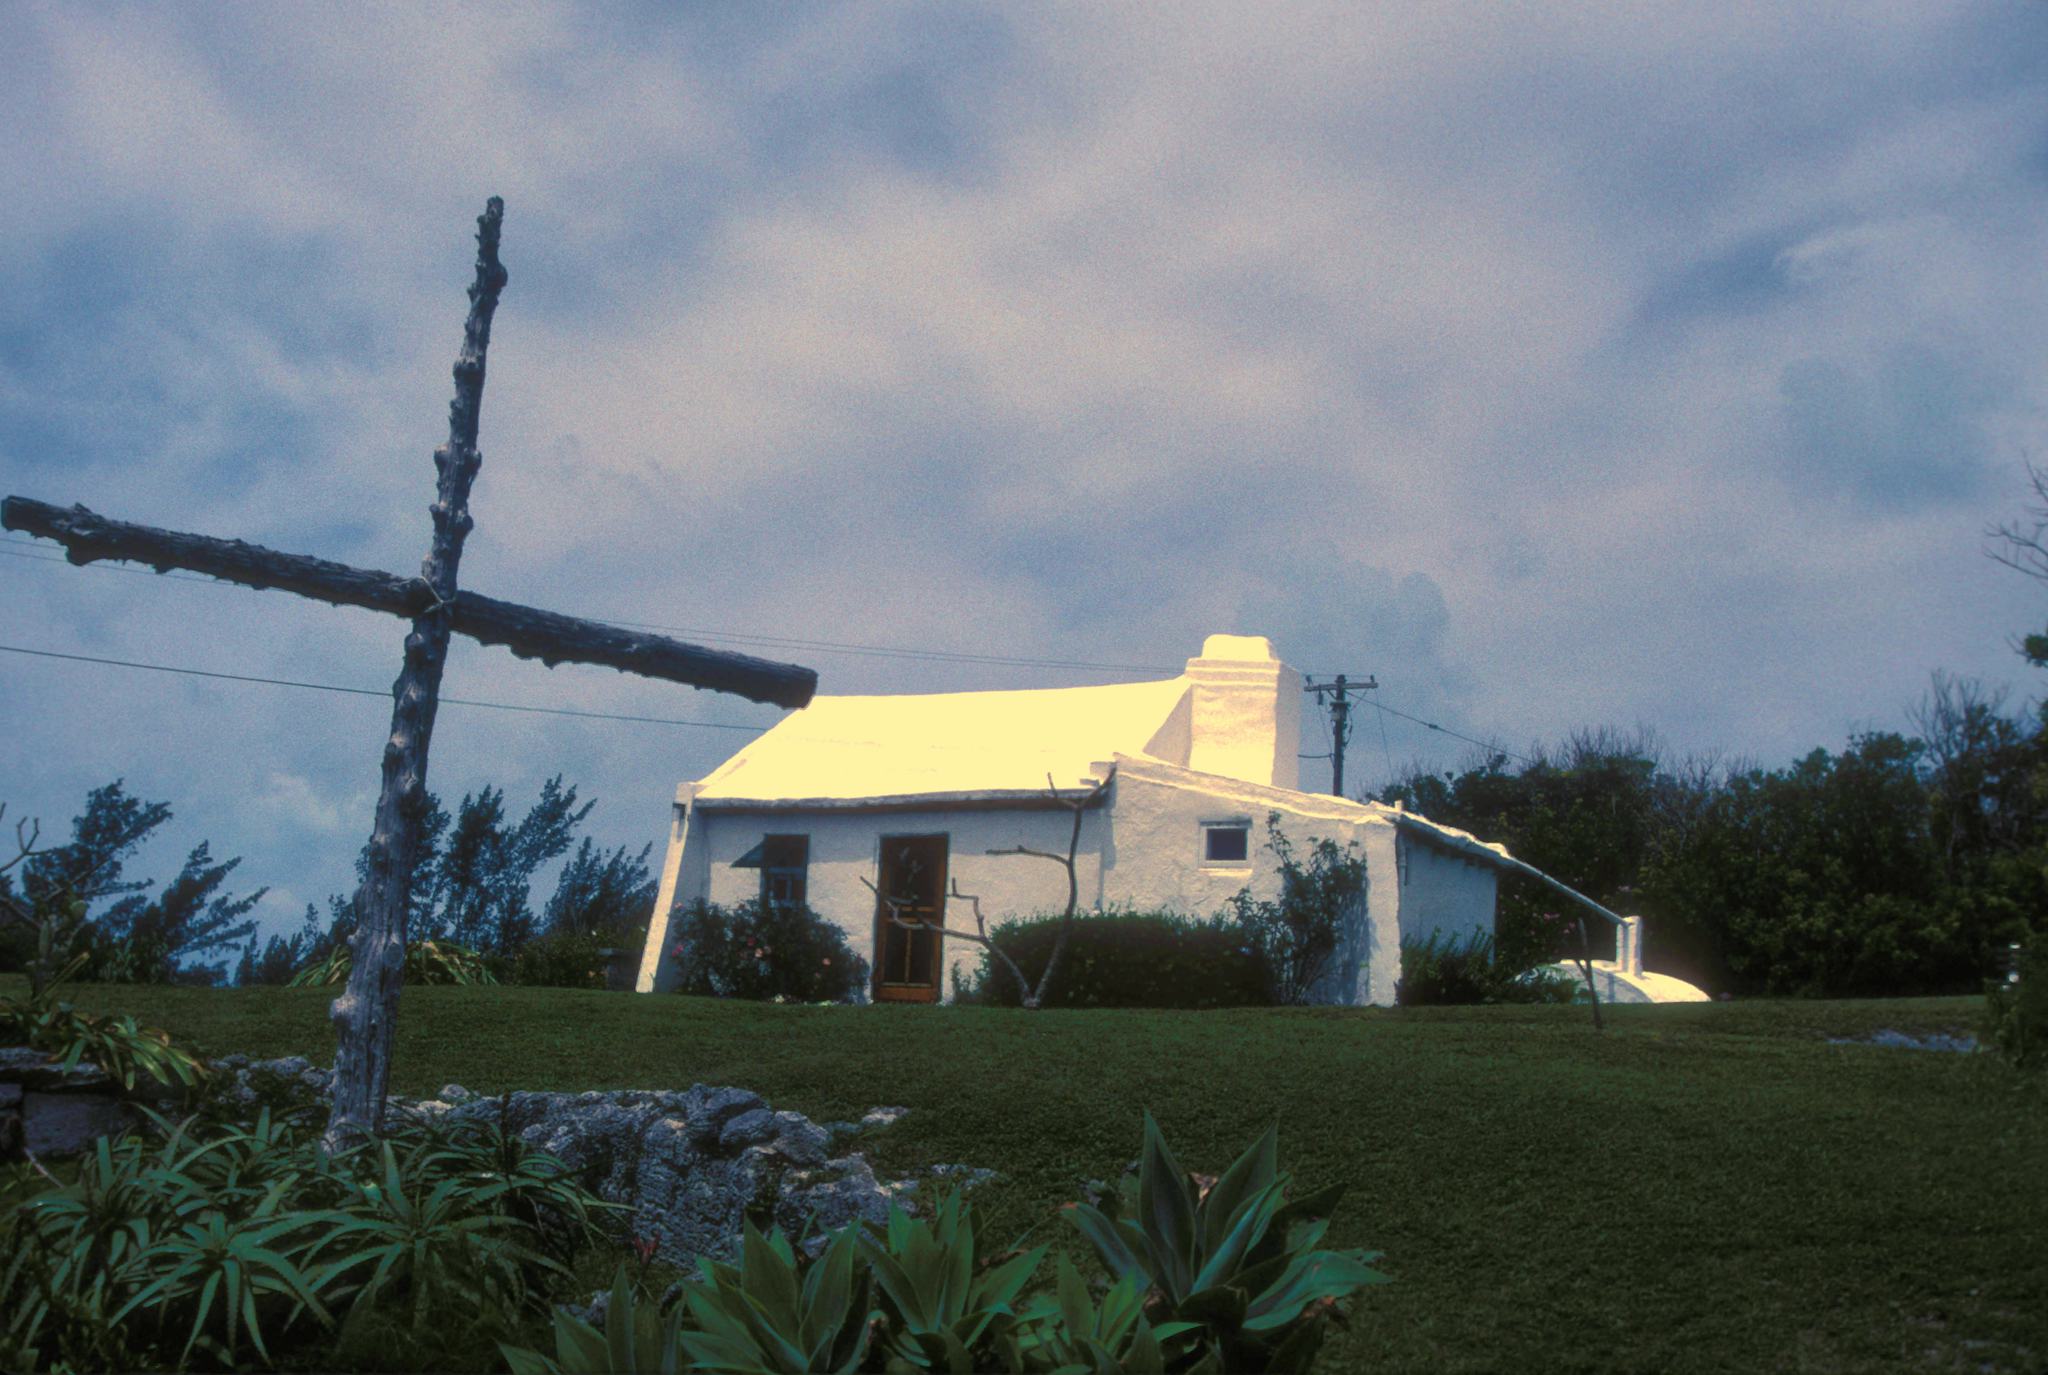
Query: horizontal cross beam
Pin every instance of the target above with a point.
(527, 632)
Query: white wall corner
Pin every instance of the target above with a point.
(654, 973)
(1628, 946)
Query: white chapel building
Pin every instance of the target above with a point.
(911, 793)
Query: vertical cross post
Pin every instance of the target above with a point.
(365, 1014)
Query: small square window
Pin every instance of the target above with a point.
(784, 862)
(1228, 842)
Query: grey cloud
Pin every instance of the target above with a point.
(1902, 430)
(1446, 338)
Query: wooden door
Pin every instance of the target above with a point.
(908, 963)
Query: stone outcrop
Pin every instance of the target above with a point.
(690, 1165)
(56, 1111)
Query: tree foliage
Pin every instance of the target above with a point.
(473, 882)
(609, 895)
(1898, 865)
(484, 877)
(55, 916)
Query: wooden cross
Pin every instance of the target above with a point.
(366, 1013)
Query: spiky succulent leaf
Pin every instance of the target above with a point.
(1166, 1210)
(1112, 1241)
(1250, 1173)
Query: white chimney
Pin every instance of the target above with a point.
(1246, 719)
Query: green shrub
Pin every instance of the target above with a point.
(426, 962)
(114, 1044)
(243, 1247)
(1439, 971)
(1122, 958)
(2015, 1019)
(1297, 935)
(560, 959)
(763, 951)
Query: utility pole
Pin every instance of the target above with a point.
(1340, 720)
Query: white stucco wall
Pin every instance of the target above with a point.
(1444, 892)
(682, 874)
(1157, 835)
(1143, 846)
(845, 848)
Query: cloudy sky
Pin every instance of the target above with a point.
(1561, 365)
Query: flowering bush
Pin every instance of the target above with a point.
(764, 953)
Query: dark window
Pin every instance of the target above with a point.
(785, 864)
(1227, 844)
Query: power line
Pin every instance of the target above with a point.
(727, 637)
(371, 692)
(701, 632)
(1385, 753)
(1446, 730)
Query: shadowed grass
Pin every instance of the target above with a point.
(1702, 1187)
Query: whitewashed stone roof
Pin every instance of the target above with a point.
(950, 744)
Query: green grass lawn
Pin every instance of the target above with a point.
(1701, 1187)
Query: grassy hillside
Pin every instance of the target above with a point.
(1703, 1187)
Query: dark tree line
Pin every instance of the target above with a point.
(1900, 864)
(473, 886)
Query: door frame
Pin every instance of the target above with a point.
(905, 992)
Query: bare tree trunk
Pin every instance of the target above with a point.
(1035, 998)
(365, 1016)
(1059, 943)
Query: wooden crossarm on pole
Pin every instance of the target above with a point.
(527, 631)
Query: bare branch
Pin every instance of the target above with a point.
(1023, 984)
(1032, 997)
(896, 918)
(2025, 547)
(1035, 854)
(39, 1167)
(26, 833)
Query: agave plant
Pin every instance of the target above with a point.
(634, 1341)
(768, 1313)
(1236, 1260)
(947, 1305)
(1067, 1331)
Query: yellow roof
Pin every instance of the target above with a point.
(847, 748)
